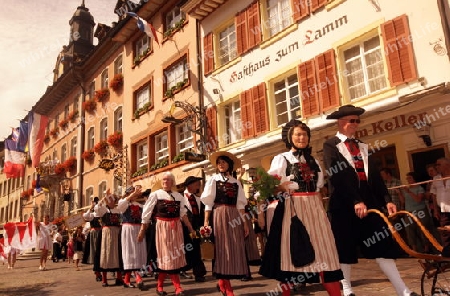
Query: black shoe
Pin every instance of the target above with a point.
(98, 279)
(185, 275)
(221, 292)
(105, 285)
(119, 282)
(200, 279)
(130, 285)
(160, 293)
(140, 285)
(246, 278)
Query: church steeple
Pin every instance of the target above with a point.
(82, 30)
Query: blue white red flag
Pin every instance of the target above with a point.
(144, 26)
(23, 136)
(37, 124)
(14, 160)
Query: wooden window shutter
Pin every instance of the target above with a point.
(316, 4)
(254, 25)
(260, 109)
(307, 87)
(327, 80)
(247, 118)
(211, 130)
(241, 32)
(208, 53)
(399, 51)
(300, 9)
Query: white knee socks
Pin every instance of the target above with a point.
(347, 281)
(389, 268)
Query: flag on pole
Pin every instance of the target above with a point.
(22, 140)
(15, 134)
(36, 127)
(14, 160)
(20, 235)
(144, 26)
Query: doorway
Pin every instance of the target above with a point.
(387, 158)
(418, 160)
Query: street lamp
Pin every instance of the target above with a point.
(195, 114)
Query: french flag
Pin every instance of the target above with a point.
(144, 26)
(37, 124)
(14, 160)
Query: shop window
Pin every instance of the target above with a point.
(287, 100)
(365, 68)
(232, 122)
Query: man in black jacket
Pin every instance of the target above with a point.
(356, 186)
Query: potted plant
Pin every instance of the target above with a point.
(178, 157)
(64, 123)
(101, 95)
(117, 82)
(100, 147)
(24, 194)
(169, 94)
(89, 106)
(116, 139)
(60, 169)
(88, 155)
(72, 115)
(70, 164)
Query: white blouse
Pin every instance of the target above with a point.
(209, 193)
(161, 194)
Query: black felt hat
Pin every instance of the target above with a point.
(191, 179)
(345, 111)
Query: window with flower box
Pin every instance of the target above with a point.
(143, 98)
(161, 147)
(118, 119)
(56, 122)
(63, 153)
(89, 196)
(141, 155)
(91, 90)
(76, 102)
(105, 79)
(55, 155)
(102, 189)
(118, 65)
(73, 147)
(173, 18)
(141, 48)
(232, 122)
(90, 143)
(66, 110)
(287, 101)
(103, 129)
(176, 76)
(227, 44)
(184, 137)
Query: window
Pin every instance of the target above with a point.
(118, 65)
(56, 121)
(105, 79)
(365, 68)
(55, 155)
(76, 101)
(90, 138)
(117, 187)
(161, 146)
(287, 101)
(184, 137)
(66, 111)
(91, 90)
(143, 97)
(89, 195)
(227, 44)
(63, 153)
(102, 189)
(142, 47)
(233, 122)
(141, 154)
(118, 119)
(278, 15)
(104, 129)
(173, 17)
(73, 147)
(178, 72)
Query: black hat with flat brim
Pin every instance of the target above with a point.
(191, 179)
(346, 110)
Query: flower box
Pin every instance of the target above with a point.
(88, 155)
(101, 95)
(70, 164)
(24, 194)
(117, 82)
(89, 106)
(60, 169)
(64, 123)
(116, 139)
(72, 116)
(30, 191)
(54, 132)
(46, 138)
(101, 147)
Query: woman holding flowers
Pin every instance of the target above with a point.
(301, 180)
(224, 197)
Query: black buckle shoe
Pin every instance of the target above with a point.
(160, 293)
(140, 285)
(200, 279)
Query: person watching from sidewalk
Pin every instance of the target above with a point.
(391, 181)
(430, 197)
(355, 187)
(301, 181)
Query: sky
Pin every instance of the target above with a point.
(32, 33)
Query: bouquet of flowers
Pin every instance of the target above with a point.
(265, 183)
(205, 232)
